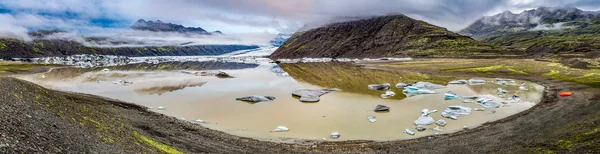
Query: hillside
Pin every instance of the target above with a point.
(13, 48)
(557, 30)
(384, 36)
(159, 26)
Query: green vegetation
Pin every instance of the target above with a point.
(36, 50)
(556, 71)
(565, 41)
(156, 144)
(15, 67)
(3, 46)
(351, 78)
(89, 113)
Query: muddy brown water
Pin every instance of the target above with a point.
(212, 100)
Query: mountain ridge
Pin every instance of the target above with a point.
(382, 36)
(159, 26)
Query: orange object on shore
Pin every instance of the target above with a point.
(565, 94)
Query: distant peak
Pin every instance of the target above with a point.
(141, 20)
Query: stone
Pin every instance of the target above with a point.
(371, 119)
(335, 135)
(453, 112)
(312, 95)
(409, 131)
(420, 128)
(223, 75)
(281, 129)
(256, 98)
(479, 109)
(379, 108)
(385, 86)
(441, 122)
(401, 85)
(424, 120)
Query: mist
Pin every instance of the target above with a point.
(111, 38)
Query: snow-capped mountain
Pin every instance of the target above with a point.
(280, 39)
(542, 18)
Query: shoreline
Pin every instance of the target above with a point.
(224, 140)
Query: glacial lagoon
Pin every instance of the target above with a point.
(190, 91)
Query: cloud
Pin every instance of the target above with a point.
(251, 16)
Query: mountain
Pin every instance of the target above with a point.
(159, 26)
(13, 48)
(280, 39)
(383, 36)
(545, 30)
(542, 18)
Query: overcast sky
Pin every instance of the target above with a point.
(247, 16)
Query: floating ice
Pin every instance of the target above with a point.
(388, 94)
(371, 119)
(409, 131)
(458, 82)
(424, 120)
(281, 129)
(335, 135)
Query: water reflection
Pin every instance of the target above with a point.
(213, 100)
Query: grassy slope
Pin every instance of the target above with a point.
(71, 122)
(568, 41)
(557, 71)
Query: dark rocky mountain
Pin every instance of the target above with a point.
(13, 48)
(541, 31)
(280, 39)
(384, 36)
(159, 26)
(542, 18)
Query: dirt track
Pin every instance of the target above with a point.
(28, 126)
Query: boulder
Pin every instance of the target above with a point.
(453, 112)
(256, 98)
(424, 120)
(420, 128)
(312, 95)
(223, 75)
(385, 86)
(379, 108)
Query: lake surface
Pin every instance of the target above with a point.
(187, 95)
